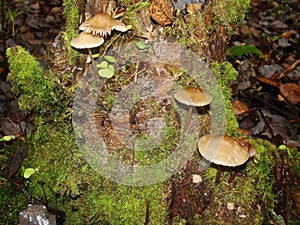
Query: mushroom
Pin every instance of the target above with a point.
(87, 40)
(224, 150)
(192, 96)
(102, 24)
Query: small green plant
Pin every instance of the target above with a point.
(244, 50)
(7, 138)
(10, 16)
(105, 68)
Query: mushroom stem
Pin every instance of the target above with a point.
(93, 62)
(231, 177)
(218, 175)
(188, 119)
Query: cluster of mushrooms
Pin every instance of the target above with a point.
(94, 30)
(221, 150)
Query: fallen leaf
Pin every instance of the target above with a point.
(238, 107)
(291, 92)
(193, 8)
(15, 162)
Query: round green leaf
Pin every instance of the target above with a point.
(28, 172)
(102, 65)
(282, 147)
(105, 72)
(110, 59)
(7, 138)
(111, 67)
(141, 45)
(129, 27)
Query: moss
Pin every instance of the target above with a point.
(13, 199)
(225, 75)
(35, 92)
(72, 186)
(132, 9)
(12, 202)
(229, 13)
(72, 15)
(188, 31)
(121, 204)
(194, 30)
(54, 154)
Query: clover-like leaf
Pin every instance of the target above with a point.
(105, 72)
(141, 45)
(102, 65)
(110, 59)
(28, 172)
(111, 67)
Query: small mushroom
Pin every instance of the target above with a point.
(224, 150)
(88, 41)
(192, 96)
(102, 24)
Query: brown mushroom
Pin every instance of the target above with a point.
(88, 41)
(224, 150)
(102, 24)
(192, 96)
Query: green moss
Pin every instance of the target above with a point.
(70, 183)
(71, 13)
(120, 204)
(54, 154)
(132, 9)
(150, 151)
(13, 200)
(193, 30)
(228, 13)
(225, 75)
(188, 31)
(35, 92)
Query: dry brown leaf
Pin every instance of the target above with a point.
(238, 107)
(291, 91)
(193, 8)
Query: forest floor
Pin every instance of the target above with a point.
(266, 95)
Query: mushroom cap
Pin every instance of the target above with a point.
(193, 96)
(86, 40)
(102, 24)
(222, 150)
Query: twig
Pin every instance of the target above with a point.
(147, 212)
(274, 107)
(289, 69)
